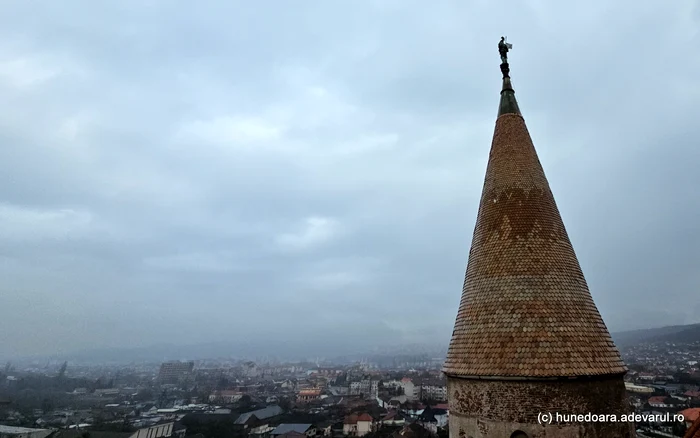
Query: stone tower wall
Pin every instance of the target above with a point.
(499, 408)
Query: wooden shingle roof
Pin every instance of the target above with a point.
(526, 310)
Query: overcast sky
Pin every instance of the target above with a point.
(310, 171)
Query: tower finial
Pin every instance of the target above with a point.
(508, 103)
(503, 48)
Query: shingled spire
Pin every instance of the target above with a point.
(526, 313)
(526, 309)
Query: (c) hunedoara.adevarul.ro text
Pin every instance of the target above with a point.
(557, 418)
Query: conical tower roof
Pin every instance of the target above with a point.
(526, 311)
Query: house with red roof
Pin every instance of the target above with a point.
(694, 430)
(659, 401)
(308, 395)
(692, 394)
(691, 415)
(358, 424)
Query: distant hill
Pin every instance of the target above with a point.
(346, 351)
(269, 349)
(675, 333)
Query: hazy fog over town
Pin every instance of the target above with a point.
(305, 176)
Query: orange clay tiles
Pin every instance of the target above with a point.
(526, 310)
(694, 430)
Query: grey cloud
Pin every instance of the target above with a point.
(174, 172)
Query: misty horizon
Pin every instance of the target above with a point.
(280, 351)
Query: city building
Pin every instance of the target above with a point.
(251, 417)
(225, 396)
(638, 389)
(250, 370)
(690, 415)
(160, 430)
(433, 390)
(393, 418)
(528, 337)
(693, 429)
(155, 431)
(288, 428)
(358, 425)
(22, 432)
(292, 434)
(432, 419)
(367, 387)
(410, 389)
(175, 372)
(660, 401)
(413, 430)
(307, 395)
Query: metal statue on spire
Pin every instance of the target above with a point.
(503, 47)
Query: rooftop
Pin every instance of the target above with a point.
(260, 414)
(354, 418)
(694, 430)
(289, 427)
(13, 430)
(78, 433)
(292, 434)
(691, 414)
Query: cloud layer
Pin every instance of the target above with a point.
(185, 173)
